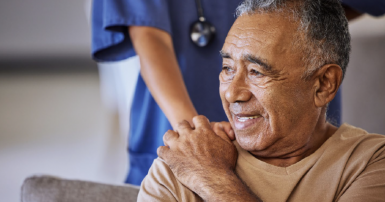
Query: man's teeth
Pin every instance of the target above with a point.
(245, 118)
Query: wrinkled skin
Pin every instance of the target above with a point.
(270, 106)
(203, 150)
(226, 126)
(276, 115)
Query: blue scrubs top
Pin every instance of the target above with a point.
(200, 66)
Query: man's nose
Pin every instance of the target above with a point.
(238, 90)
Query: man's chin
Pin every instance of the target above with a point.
(251, 143)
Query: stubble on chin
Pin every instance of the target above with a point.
(255, 138)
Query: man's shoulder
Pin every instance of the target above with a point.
(352, 136)
(159, 175)
(353, 143)
(161, 171)
(160, 184)
(362, 157)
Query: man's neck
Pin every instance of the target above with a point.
(322, 133)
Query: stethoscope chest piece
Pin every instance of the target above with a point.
(201, 33)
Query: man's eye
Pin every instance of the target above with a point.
(227, 74)
(256, 73)
(227, 69)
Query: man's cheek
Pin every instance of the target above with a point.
(222, 91)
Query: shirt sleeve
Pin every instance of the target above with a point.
(370, 184)
(110, 21)
(372, 7)
(161, 185)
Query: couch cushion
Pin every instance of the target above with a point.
(53, 189)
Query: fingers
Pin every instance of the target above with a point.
(162, 152)
(213, 124)
(228, 129)
(219, 130)
(170, 137)
(183, 127)
(201, 122)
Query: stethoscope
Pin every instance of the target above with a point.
(201, 31)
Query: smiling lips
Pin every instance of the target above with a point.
(244, 121)
(245, 118)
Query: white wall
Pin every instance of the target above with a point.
(363, 94)
(43, 28)
(55, 124)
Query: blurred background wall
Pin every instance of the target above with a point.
(363, 95)
(52, 118)
(44, 28)
(54, 121)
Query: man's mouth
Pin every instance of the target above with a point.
(246, 118)
(242, 121)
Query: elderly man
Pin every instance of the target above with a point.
(283, 62)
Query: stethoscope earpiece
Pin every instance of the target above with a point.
(201, 31)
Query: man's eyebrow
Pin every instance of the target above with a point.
(258, 61)
(252, 59)
(224, 54)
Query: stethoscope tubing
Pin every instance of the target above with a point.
(201, 31)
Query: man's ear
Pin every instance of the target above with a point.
(327, 81)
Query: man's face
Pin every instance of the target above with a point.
(270, 107)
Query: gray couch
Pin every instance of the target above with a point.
(53, 189)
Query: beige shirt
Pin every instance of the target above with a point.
(349, 166)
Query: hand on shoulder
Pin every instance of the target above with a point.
(223, 126)
(199, 156)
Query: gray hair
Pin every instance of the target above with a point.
(323, 26)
